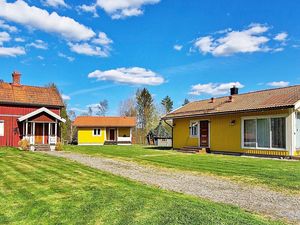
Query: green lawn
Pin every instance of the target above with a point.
(41, 189)
(281, 175)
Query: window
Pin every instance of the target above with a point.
(278, 132)
(194, 129)
(1, 128)
(97, 132)
(250, 133)
(265, 133)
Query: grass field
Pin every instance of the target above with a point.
(281, 175)
(40, 189)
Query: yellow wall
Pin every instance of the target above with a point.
(223, 136)
(85, 136)
(124, 131)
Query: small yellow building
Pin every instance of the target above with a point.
(96, 130)
(258, 123)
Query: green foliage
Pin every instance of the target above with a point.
(186, 101)
(167, 103)
(145, 111)
(41, 189)
(278, 174)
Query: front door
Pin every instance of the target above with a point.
(38, 133)
(204, 134)
(111, 134)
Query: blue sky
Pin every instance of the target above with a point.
(95, 50)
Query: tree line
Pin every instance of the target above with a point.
(141, 105)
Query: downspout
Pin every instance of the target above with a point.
(171, 128)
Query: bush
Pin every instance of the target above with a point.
(59, 146)
(24, 145)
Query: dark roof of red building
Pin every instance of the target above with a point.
(253, 101)
(29, 95)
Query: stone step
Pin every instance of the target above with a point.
(42, 147)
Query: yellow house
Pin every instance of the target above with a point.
(96, 130)
(264, 122)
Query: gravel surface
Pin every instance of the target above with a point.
(252, 198)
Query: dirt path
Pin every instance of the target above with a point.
(253, 198)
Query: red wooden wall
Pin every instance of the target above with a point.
(12, 129)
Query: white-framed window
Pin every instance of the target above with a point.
(1, 128)
(97, 132)
(264, 133)
(194, 128)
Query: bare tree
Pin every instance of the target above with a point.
(102, 108)
(127, 107)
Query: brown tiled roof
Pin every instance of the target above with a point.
(23, 94)
(103, 121)
(252, 101)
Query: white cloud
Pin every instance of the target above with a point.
(5, 26)
(249, 40)
(19, 39)
(36, 18)
(40, 57)
(89, 8)
(214, 88)
(4, 37)
(12, 51)
(71, 59)
(65, 97)
(281, 36)
(39, 44)
(133, 75)
(278, 83)
(119, 9)
(87, 49)
(102, 39)
(204, 44)
(178, 47)
(55, 3)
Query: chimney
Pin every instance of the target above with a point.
(16, 76)
(230, 98)
(212, 100)
(234, 90)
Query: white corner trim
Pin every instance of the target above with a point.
(297, 105)
(40, 110)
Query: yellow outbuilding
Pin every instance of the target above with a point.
(96, 130)
(264, 122)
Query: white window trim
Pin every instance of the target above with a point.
(96, 135)
(264, 117)
(2, 135)
(190, 129)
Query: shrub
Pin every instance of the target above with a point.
(59, 146)
(24, 145)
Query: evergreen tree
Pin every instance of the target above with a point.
(167, 103)
(186, 101)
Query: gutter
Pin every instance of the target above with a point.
(171, 128)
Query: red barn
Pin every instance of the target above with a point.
(29, 112)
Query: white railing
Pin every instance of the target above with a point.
(124, 139)
(52, 140)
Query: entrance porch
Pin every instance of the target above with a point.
(41, 129)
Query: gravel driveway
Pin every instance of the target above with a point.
(252, 198)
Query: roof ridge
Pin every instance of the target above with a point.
(250, 92)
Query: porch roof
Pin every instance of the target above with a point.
(42, 110)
